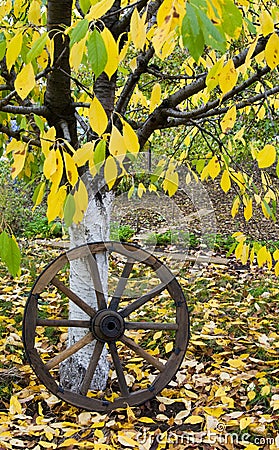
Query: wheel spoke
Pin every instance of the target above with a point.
(95, 274)
(74, 297)
(91, 367)
(143, 353)
(70, 351)
(142, 300)
(63, 323)
(150, 326)
(119, 370)
(121, 285)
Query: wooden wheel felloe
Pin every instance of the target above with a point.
(142, 320)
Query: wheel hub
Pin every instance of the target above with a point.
(107, 325)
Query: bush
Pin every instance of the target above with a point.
(15, 204)
(121, 232)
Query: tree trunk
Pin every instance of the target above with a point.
(94, 227)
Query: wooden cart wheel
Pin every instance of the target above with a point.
(143, 320)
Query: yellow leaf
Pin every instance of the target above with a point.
(267, 156)
(126, 441)
(15, 406)
(276, 268)
(68, 443)
(212, 78)
(265, 390)
(46, 444)
(236, 363)
(77, 52)
(145, 420)
(34, 13)
(97, 117)
(47, 140)
(251, 395)
(168, 347)
(84, 154)
(276, 255)
(228, 121)
(71, 169)
(130, 138)
(272, 51)
(235, 206)
(13, 50)
(155, 97)
(55, 202)
(262, 256)
(99, 9)
(213, 167)
(40, 195)
(25, 81)
(266, 22)
(112, 52)
(228, 77)
(19, 154)
(245, 422)
(252, 447)
(81, 202)
(59, 168)
(110, 171)
(141, 190)
(248, 210)
(214, 411)
(117, 146)
(171, 182)
(138, 31)
(194, 419)
(50, 164)
(225, 181)
(227, 401)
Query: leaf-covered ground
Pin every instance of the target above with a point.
(225, 395)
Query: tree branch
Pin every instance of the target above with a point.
(174, 122)
(25, 110)
(127, 91)
(215, 103)
(159, 118)
(17, 135)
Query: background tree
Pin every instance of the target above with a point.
(85, 85)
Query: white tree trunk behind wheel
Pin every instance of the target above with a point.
(94, 227)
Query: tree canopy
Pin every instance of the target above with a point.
(88, 85)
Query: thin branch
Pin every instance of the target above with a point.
(17, 135)
(65, 129)
(5, 87)
(173, 122)
(215, 103)
(25, 110)
(127, 91)
(121, 25)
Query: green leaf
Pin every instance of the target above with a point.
(10, 253)
(2, 46)
(37, 48)
(212, 36)
(99, 154)
(79, 32)
(85, 5)
(69, 210)
(39, 122)
(97, 54)
(192, 34)
(232, 18)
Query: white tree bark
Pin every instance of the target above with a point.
(95, 227)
